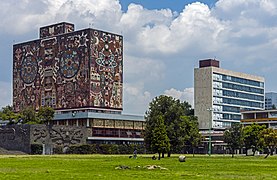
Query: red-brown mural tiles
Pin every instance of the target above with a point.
(77, 69)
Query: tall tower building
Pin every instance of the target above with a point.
(68, 69)
(80, 75)
(220, 95)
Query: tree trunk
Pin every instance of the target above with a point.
(267, 151)
(162, 154)
(159, 156)
(169, 153)
(193, 151)
(253, 152)
(246, 152)
(233, 152)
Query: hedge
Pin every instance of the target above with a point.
(101, 149)
(36, 148)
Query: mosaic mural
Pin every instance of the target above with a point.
(55, 29)
(67, 69)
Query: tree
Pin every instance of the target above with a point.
(252, 137)
(159, 139)
(45, 114)
(194, 136)
(29, 116)
(7, 113)
(234, 137)
(178, 131)
(273, 106)
(171, 110)
(269, 139)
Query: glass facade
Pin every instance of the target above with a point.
(242, 81)
(242, 88)
(231, 94)
(270, 100)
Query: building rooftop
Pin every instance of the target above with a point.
(259, 111)
(95, 115)
(208, 62)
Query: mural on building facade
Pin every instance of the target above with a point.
(70, 70)
(58, 135)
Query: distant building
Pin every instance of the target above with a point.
(219, 95)
(80, 75)
(270, 100)
(262, 117)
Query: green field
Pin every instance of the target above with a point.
(106, 167)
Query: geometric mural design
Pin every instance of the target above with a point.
(69, 69)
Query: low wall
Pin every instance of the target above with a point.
(20, 137)
(15, 137)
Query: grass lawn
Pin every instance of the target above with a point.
(104, 167)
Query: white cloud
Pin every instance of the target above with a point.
(160, 46)
(145, 69)
(22, 16)
(5, 95)
(186, 95)
(194, 27)
(136, 100)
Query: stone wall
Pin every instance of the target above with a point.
(20, 137)
(58, 135)
(15, 137)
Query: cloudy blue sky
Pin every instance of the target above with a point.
(163, 40)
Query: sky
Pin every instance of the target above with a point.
(163, 40)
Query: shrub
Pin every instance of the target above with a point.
(58, 150)
(36, 148)
(107, 149)
(82, 149)
(104, 149)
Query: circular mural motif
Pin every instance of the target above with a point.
(69, 63)
(29, 69)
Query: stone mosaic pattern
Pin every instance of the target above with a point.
(58, 135)
(70, 70)
(20, 137)
(16, 137)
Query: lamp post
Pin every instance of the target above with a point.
(210, 128)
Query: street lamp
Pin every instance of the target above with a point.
(210, 128)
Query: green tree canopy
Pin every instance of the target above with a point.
(29, 116)
(171, 111)
(252, 137)
(194, 137)
(268, 138)
(45, 114)
(7, 113)
(234, 137)
(159, 140)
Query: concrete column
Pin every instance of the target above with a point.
(87, 122)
